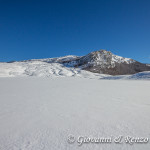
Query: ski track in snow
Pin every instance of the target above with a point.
(40, 113)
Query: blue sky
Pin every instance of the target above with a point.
(51, 28)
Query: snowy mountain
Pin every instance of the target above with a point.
(104, 62)
(93, 65)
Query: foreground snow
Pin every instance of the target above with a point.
(40, 113)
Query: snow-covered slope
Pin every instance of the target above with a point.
(40, 113)
(38, 68)
(120, 59)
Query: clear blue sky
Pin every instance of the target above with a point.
(51, 28)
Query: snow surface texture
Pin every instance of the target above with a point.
(40, 68)
(40, 113)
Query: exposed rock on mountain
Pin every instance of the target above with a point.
(107, 63)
